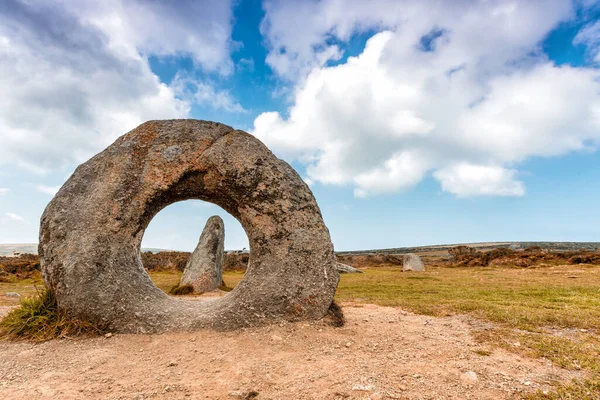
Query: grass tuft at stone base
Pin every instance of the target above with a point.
(181, 290)
(38, 319)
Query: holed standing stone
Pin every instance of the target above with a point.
(91, 231)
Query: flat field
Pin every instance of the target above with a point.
(544, 318)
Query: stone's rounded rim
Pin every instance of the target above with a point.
(90, 233)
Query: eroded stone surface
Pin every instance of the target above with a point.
(346, 269)
(204, 269)
(91, 231)
(412, 262)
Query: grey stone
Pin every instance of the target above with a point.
(346, 269)
(204, 269)
(91, 231)
(12, 294)
(412, 262)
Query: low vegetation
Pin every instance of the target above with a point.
(181, 290)
(535, 255)
(560, 296)
(165, 260)
(38, 319)
(18, 268)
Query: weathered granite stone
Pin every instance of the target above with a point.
(91, 231)
(346, 269)
(412, 262)
(204, 269)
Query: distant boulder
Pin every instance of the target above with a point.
(346, 269)
(412, 262)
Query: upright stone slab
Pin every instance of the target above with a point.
(412, 262)
(204, 269)
(91, 232)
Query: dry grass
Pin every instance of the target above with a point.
(560, 296)
(165, 280)
(550, 312)
(232, 278)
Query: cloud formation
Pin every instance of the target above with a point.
(204, 93)
(461, 92)
(4, 191)
(14, 217)
(75, 75)
(590, 37)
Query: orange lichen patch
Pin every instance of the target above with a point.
(144, 134)
(202, 146)
(115, 209)
(160, 177)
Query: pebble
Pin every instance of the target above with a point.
(469, 376)
(12, 294)
(364, 388)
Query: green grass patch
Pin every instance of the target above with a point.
(25, 287)
(38, 319)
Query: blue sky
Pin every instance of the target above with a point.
(413, 122)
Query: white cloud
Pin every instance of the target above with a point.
(460, 90)
(198, 28)
(74, 75)
(4, 191)
(300, 34)
(14, 217)
(590, 37)
(51, 190)
(465, 180)
(204, 93)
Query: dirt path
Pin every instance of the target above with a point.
(381, 353)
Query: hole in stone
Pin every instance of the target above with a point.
(173, 234)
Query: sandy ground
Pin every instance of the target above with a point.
(4, 310)
(381, 353)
